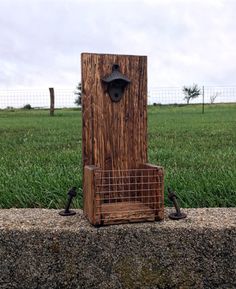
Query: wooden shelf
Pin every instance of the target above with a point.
(126, 212)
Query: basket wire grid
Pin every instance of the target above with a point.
(128, 194)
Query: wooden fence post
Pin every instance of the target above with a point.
(52, 98)
(203, 99)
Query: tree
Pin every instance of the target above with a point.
(27, 106)
(191, 92)
(78, 94)
(214, 96)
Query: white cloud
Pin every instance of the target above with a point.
(186, 41)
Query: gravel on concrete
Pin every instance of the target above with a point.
(40, 249)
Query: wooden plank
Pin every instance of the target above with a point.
(101, 117)
(126, 212)
(91, 208)
(160, 214)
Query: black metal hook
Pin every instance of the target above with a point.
(67, 212)
(178, 214)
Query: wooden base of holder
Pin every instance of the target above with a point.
(123, 196)
(126, 212)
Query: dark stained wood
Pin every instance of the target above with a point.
(114, 134)
(126, 212)
(90, 200)
(115, 139)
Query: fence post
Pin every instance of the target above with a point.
(203, 100)
(52, 98)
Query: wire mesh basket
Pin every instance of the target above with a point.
(131, 195)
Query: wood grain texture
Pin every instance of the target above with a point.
(115, 140)
(126, 212)
(114, 134)
(90, 208)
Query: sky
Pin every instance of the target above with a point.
(186, 41)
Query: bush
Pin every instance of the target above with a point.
(10, 108)
(27, 106)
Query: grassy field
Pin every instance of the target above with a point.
(40, 156)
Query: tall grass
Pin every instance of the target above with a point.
(40, 156)
(198, 152)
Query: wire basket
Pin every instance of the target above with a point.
(128, 195)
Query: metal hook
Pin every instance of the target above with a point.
(178, 214)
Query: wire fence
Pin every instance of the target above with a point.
(38, 98)
(65, 98)
(208, 95)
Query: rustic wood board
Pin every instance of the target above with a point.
(114, 133)
(126, 211)
(89, 196)
(115, 140)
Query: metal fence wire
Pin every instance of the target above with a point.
(38, 98)
(65, 97)
(208, 95)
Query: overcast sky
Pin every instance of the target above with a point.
(186, 41)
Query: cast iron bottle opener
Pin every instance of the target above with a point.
(116, 83)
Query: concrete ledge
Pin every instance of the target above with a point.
(40, 249)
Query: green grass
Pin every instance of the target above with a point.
(198, 152)
(40, 156)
